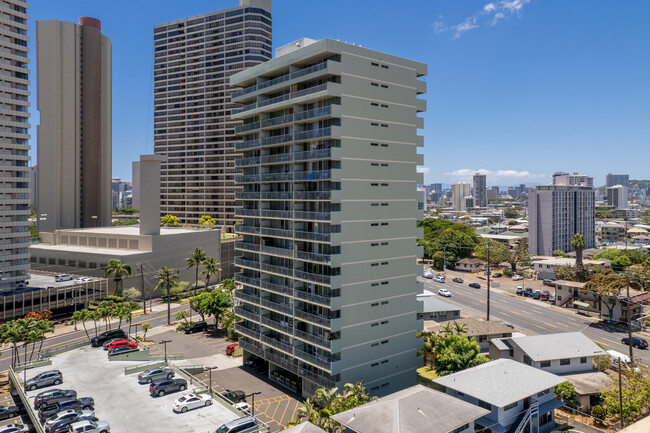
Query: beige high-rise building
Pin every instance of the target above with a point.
(74, 82)
(14, 159)
(458, 193)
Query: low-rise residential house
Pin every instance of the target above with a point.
(545, 268)
(572, 294)
(588, 386)
(469, 265)
(641, 240)
(518, 396)
(304, 427)
(417, 409)
(434, 308)
(482, 330)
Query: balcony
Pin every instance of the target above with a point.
(282, 214)
(247, 127)
(276, 288)
(278, 233)
(276, 139)
(275, 306)
(245, 162)
(240, 228)
(313, 175)
(252, 346)
(312, 216)
(309, 91)
(249, 144)
(246, 263)
(310, 297)
(241, 329)
(278, 326)
(313, 318)
(319, 361)
(324, 379)
(275, 121)
(314, 339)
(309, 236)
(277, 269)
(273, 159)
(283, 195)
(275, 251)
(312, 114)
(313, 134)
(275, 100)
(273, 82)
(254, 282)
(314, 257)
(244, 108)
(312, 195)
(285, 361)
(246, 314)
(247, 212)
(250, 178)
(315, 278)
(247, 297)
(247, 246)
(285, 347)
(275, 177)
(241, 195)
(313, 154)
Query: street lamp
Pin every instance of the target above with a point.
(136, 330)
(253, 394)
(209, 370)
(94, 218)
(165, 343)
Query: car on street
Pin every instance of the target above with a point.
(196, 327)
(83, 403)
(243, 406)
(517, 277)
(239, 425)
(46, 378)
(121, 350)
(537, 294)
(475, 285)
(638, 342)
(90, 427)
(161, 387)
(53, 395)
(545, 296)
(519, 291)
(66, 415)
(63, 277)
(152, 374)
(457, 280)
(428, 274)
(7, 412)
(231, 348)
(234, 396)
(16, 428)
(102, 338)
(528, 292)
(444, 292)
(191, 401)
(497, 275)
(439, 279)
(121, 343)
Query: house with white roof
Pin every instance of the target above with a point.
(417, 409)
(515, 394)
(434, 308)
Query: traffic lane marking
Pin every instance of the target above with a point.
(548, 324)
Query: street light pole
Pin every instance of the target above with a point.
(629, 319)
(209, 369)
(253, 394)
(489, 245)
(165, 343)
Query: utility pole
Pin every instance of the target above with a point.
(620, 392)
(253, 394)
(210, 375)
(629, 318)
(144, 291)
(489, 246)
(165, 343)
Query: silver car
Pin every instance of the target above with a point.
(66, 415)
(46, 378)
(15, 428)
(90, 427)
(152, 374)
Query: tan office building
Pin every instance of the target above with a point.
(74, 76)
(14, 159)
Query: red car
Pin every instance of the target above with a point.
(231, 348)
(121, 343)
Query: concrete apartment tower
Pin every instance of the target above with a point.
(617, 179)
(458, 193)
(559, 211)
(14, 136)
(480, 190)
(617, 196)
(193, 60)
(74, 82)
(329, 215)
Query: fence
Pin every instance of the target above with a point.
(18, 386)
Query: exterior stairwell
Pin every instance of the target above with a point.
(530, 415)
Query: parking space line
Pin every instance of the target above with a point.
(284, 413)
(295, 410)
(276, 409)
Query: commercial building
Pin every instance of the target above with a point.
(458, 193)
(575, 179)
(480, 190)
(617, 179)
(193, 60)
(329, 215)
(617, 196)
(14, 158)
(74, 76)
(121, 193)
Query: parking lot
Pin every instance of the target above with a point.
(122, 401)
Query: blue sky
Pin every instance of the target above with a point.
(516, 88)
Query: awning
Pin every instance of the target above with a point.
(581, 304)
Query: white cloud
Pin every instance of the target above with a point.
(492, 13)
(489, 7)
(425, 170)
(439, 27)
(498, 16)
(495, 175)
(468, 24)
(513, 5)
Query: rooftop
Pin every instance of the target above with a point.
(432, 304)
(557, 346)
(304, 427)
(475, 327)
(417, 409)
(133, 230)
(591, 382)
(567, 283)
(500, 382)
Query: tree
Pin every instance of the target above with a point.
(567, 393)
(207, 221)
(211, 268)
(453, 240)
(131, 294)
(182, 315)
(635, 384)
(168, 221)
(81, 316)
(166, 278)
(455, 353)
(578, 244)
(560, 253)
(196, 259)
(146, 326)
(510, 212)
(498, 252)
(118, 270)
(609, 254)
(621, 263)
(607, 286)
(214, 304)
(228, 285)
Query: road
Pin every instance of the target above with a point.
(531, 316)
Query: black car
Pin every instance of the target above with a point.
(86, 403)
(457, 280)
(53, 396)
(475, 285)
(7, 412)
(196, 327)
(497, 275)
(234, 396)
(528, 292)
(122, 349)
(161, 387)
(537, 294)
(105, 336)
(638, 342)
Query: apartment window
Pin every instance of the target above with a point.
(384, 184)
(384, 204)
(384, 66)
(384, 86)
(374, 304)
(384, 125)
(545, 364)
(460, 394)
(384, 106)
(543, 393)
(384, 243)
(374, 84)
(374, 184)
(384, 322)
(583, 360)
(372, 325)
(384, 165)
(384, 263)
(484, 405)
(374, 244)
(374, 264)
(384, 302)
(374, 124)
(374, 364)
(510, 406)
(527, 360)
(374, 224)
(384, 224)
(545, 419)
(374, 104)
(385, 361)
(384, 145)
(374, 204)
(374, 284)
(374, 345)
(374, 164)
(383, 283)
(565, 361)
(384, 342)
(374, 144)
(374, 64)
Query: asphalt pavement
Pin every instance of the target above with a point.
(529, 316)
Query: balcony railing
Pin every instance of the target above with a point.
(247, 212)
(244, 108)
(273, 82)
(310, 297)
(276, 139)
(313, 257)
(241, 329)
(309, 70)
(283, 252)
(312, 195)
(275, 100)
(243, 296)
(244, 162)
(284, 214)
(317, 216)
(310, 114)
(255, 282)
(282, 308)
(324, 380)
(243, 145)
(247, 263)
(266, 231)
(314, 339)
(309, 91)
(277, 343)
(313, 318)
(246, 314)
(240, 228)
(277, 288)
(284, 195)
(277, 269)
(247, 246)
(241, 195)
(277, 177)
(280, 157)
(249, 178)
(285, 361)
(316, 278)
(315, 360)
(312, 175)
(309, 236)
(280, 79)
(313, 154)
(252, 346)
(247, 127)
(278, 326)
(314, 133)
(277, 121)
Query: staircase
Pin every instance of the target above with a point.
(522, 421)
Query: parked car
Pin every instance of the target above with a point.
(46, 378)
(110, 341)
(497, 275)
(7, 412)
(548, 282)
(475, 285)
(457, 280)
(85, 403)
(537, 294)
(637, 342)
(439, 279)
(152, 374)
(239, 425)
(231, 348)
(53, 395)
(90, 427)
(545, 295)
(551, 298)
(243, 406)
(121, 343)
(196, 327)
(64, 427)
(15, 428)
(517, 277)
(102, 338)
(161, 387)
(528, 292)
(191, 401)
(428, 274)
(65, 415)
(63, 277)
(122, 349)
(444, 292)
(520, 291)
(234, 396)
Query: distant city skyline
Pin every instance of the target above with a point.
(505, 94)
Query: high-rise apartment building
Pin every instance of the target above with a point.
(74, 81)
(556, 213)
(329, 215)
(480, 190)
(436, 187)
(193, 60)
(458, 193)
(617, 196)
(575, 179)
(617, 179)
(14, 133)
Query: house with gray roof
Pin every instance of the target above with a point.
(482, 330)
(434, 308)
(304, 427)
(515, 394)
(417, 409)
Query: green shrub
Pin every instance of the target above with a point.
(598, 412)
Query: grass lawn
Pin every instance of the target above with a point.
(426, 376)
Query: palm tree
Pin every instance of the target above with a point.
(446, 329)
(196, 259)
(11, 333)
(118, 270)
(166, 278)
(355, 394)
(94, 316)
(81, 316)
(145, 327)
(324, 398)
(309, 412)
(578, 244)
(122, 312)
(182, 315)
(460, 328)
(211, 268)
(44, 326)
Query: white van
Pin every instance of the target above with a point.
(63, 277)
(622, 358)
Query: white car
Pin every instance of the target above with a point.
(90, 427)
(439, 279)
(15, 428)
(191, 401)
(517, 277)
(63, 277)
(444, 292)
(243, 406)
(428, 274)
